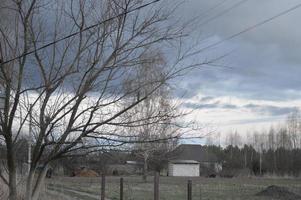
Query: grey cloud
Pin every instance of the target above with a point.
(267, 110)
(207, 98)
(229, 106)
(214, 105)
(266, 61)
(200, 106)
(255, 121)
(270, 110)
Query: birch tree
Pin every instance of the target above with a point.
(158, 110)
(293, 128)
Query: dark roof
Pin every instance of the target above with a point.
(184, 162)
(194, 152)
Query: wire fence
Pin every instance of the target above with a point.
(168, 188)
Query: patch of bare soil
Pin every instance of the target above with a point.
(85, 173)
(278, 192)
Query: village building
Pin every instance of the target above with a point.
(184, 168)
(193, 160)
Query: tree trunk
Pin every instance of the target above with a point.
(12, 183)
(12, 171)
(145, 169)
(246, 164)
(260, 163)
(39, 184)
(275, 165)
(29, 184)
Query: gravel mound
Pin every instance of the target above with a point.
(277, 192)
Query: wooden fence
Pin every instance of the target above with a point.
(156, 188)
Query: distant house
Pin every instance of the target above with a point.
(187, 158)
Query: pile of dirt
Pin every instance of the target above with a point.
(85, 173)
(279, 193)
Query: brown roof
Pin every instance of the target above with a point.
(194, 152)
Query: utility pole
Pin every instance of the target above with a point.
(260, 159)
(29, 138)
(246, 158)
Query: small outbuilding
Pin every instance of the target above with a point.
(184, 168)
(187, 157)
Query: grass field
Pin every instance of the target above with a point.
(171, 188)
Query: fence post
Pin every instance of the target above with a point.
(156, 186)
(103, 186)
(121, 188)
(189, 190)
(200, 193)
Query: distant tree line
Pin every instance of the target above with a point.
(280, 162)
(277, 151)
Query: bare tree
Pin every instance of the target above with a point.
(74, 87)
(283, 140)
(158, 110)
(234, 140)
(293, 128)
(272, 146)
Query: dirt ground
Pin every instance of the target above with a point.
(277, 192)
(171, 188)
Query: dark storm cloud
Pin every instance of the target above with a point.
(265, 63)
(267, 110)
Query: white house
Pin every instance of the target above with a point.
(193, 160)
(183, 168)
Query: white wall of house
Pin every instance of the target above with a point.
(177, 169)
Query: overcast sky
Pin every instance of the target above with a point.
(259, 83)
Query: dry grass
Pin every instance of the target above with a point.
(64, 188)
(171, 188)
(3, 191)
(21, 188)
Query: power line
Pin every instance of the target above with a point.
(248, 29)
(211, 9)
(147, 4)
(78, 32)
(223, 12)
